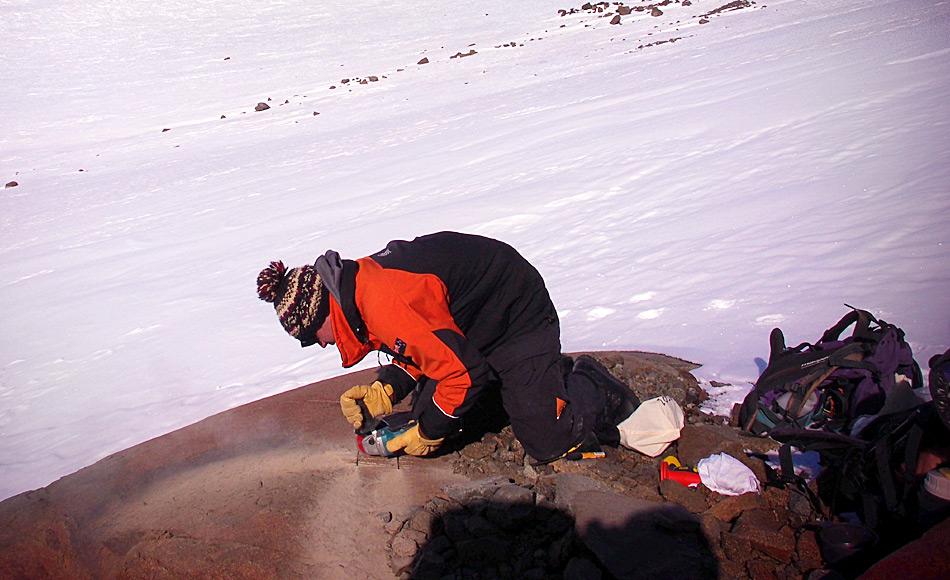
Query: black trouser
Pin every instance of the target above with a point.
(530, 393)
(532, 379)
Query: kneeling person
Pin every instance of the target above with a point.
(459, 314)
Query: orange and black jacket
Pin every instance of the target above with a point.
(452, 307)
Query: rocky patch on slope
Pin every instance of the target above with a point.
(617, 13)
(271, 490)
(577, 519)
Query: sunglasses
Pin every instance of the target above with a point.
(308, 335)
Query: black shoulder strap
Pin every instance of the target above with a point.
(862, 330)
(852, 356)
(786, 478)
(882, 456)
(907, 436)
(785, 460)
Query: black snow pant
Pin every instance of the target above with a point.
(550, 409)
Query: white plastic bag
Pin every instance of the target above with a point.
(653, 426)
(725, 474)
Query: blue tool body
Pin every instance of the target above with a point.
(375, 433)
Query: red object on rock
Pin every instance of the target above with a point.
(687, 478)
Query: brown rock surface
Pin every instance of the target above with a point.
(272, 490)
(763, 529)
(925, 558)
(699, 441)
(729, 508)
(653, 375)
(269, 489)
(690, 498)
(667, 538)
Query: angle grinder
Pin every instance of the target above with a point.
(376, 432)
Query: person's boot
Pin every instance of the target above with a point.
(567, 365)
(588, 448)
(619, 402)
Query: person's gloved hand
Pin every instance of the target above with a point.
(377, 398)
(413, 442)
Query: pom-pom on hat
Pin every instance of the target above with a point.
(298, 297)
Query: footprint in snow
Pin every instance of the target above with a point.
(599, 312)
(769, 319)
(651, 314)
(642, 297)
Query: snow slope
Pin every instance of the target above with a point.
(768, 166)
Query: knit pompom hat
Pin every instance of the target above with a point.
(298, 296)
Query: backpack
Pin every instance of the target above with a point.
(864, 475)
(840, 398)
(836, 384)
(940, 385)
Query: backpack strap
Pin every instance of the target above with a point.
(762, 420)
(882, 455)
(852, 356)
(911, 450)
(785, 461)
(798, 399)
(849, 356)
(870, 510)
(785, 478)
(861, 318)
(918, 377)
(907, 434)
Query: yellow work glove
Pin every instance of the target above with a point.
(377, 398)
(413, 442)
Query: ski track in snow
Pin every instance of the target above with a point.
(683, 197)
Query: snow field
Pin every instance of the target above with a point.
(684, 197)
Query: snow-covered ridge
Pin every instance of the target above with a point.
(766, 167)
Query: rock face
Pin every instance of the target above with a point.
(491, 527)
(272, 490)
(928, 557)
(668, 539)
(653, 375)
(748, 536)
(266, 490)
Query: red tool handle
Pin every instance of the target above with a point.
(687, 478)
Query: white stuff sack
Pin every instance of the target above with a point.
(725, 474)
(653, 426)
